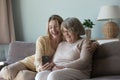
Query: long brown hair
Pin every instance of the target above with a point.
(55, 17)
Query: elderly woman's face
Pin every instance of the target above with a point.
(54, 28)
(69, 36)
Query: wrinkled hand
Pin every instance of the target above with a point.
(92, 46)
(57, 67)
(47, 66)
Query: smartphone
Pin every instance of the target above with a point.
(45, 59)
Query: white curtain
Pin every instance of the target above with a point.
(7, 33)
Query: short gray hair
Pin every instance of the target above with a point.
(74, 25)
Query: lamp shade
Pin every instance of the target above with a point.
(109, 12)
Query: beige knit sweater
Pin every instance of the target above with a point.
(43, 47)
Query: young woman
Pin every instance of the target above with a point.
(45, 46)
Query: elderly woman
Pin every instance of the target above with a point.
(73, 56)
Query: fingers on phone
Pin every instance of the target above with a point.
(46, 66)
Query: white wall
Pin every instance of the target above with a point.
(30, 16)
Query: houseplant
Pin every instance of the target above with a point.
(88, 24)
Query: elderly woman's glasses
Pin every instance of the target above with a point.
(67, 31)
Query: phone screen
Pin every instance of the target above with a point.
(45, 59)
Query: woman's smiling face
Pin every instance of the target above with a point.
(69, 35)
(54, 28)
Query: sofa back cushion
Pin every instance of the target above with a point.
(106, 60)
(19, 50)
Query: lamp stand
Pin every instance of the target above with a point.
(110, 30)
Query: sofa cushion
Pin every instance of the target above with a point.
(112, 77)
(19, 50)
(2, 79)
(106, 60)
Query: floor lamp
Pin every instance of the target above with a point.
(109, 13)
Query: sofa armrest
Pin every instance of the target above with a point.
(106, 59)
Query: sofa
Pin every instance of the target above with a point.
(18, 50)
(105, 65)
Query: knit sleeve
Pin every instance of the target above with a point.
(40, 46)
(84, 61)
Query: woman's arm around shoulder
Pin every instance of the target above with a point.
(89, 45)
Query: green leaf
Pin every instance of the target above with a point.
(88, 23)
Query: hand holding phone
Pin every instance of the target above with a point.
(45, 59)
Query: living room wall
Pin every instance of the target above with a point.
(30, 16)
